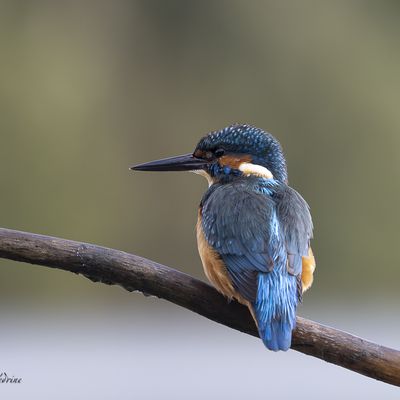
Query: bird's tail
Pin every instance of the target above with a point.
(275, 308)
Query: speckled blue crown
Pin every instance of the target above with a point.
(247, 139)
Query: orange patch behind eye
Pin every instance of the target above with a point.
(234, 160)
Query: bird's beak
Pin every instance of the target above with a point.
(187, 162)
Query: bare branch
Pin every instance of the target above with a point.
(134, 273)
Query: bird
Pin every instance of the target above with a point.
(253, 229)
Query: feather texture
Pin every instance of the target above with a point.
(260, 229)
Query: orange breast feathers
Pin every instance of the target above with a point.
(214, 267)
(308, 270)
(217, 274)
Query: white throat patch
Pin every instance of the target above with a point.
(201, 172)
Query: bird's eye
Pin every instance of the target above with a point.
(219, 153)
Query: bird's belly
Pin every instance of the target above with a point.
(214, 267)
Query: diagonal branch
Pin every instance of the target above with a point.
(109, 266)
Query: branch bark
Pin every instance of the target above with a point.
(114, 267)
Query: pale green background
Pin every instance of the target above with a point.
(88, 88)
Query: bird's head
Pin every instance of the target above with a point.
(235, 151)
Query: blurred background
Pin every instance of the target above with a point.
(88, 88)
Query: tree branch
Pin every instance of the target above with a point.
(134, 273)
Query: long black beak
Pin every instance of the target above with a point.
(187, 162)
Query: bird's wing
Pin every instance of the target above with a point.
(252, 232)
(241, 225)
(294, 216)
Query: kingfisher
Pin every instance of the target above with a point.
(253, 229)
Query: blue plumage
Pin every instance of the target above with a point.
(247, 139)
(254, 229)
(261, 230)
(245, 222)
(275, 307)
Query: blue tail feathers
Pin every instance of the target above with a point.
(275, 308)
